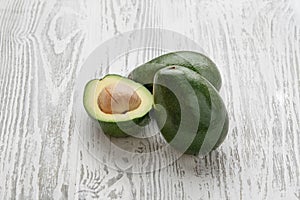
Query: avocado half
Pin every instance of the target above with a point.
(119, 104)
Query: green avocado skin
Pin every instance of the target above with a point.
(123, 129)
(197, 62)
(184, 94)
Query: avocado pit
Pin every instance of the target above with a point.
(118, 99)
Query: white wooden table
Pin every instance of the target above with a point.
(44, 44)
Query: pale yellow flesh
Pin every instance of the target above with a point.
(95, 87)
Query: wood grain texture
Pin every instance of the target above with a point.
(43, 44)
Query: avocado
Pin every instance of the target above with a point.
(195, 61)
(189, 111)
(119, 104)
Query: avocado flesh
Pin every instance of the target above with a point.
(197, 62)
(119, 104)
(194, 119)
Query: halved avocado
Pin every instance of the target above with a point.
(120, 105)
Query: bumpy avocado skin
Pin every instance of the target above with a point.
(197, 62)
(125, 129)
(196, 95)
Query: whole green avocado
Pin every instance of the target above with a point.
(195, 61)
(189, 111)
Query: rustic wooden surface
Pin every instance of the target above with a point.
(43, 44)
